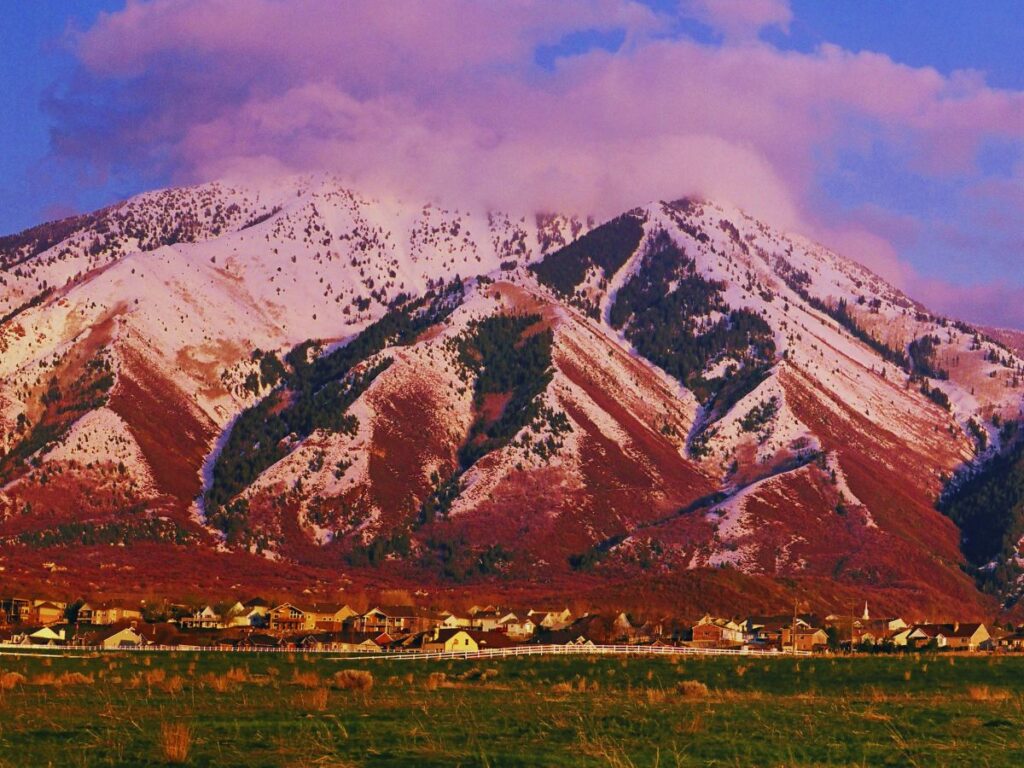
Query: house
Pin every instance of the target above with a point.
(804, 638)
(487, 621)
(956, 636)
(16, 609)
(711, 632)
(454, 640)
(915, 637)
(450, 621)
(579, 641)
(623, 628)
(253, 613)
(1012, 641)
(397, 620)
(47, 636)
(516, 628)
(970, 636)
(329, 617)
(258, 641)
(551, 619)
(449, 640)
(105, 614)
(112, 637)
(47, 612)
(207, 618)
(289, 618)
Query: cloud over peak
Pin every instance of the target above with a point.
(447, 100)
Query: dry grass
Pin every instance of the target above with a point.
(48, 679)
(218, 683)
(692, 689)
(308, 680)
(174, 684)
(175, 742)
(985, 693)
(655, 696)
(9, 680)
(237, 675)
(314, 700)
(353, 680)
(606, 751)
(435, 680)
(579, 685)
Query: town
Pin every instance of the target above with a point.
(257, 625)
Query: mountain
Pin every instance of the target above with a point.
(294, 386)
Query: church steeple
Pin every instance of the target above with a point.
(866, 616)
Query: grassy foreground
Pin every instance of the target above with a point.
(285, 710)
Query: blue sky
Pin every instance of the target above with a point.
(35, 62)
(928, 195)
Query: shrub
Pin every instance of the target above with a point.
(306, 680)
(9, 680)
(174, 684)
(217, 683)
(984, 693)
(692, 689)
(314, 700)
(353, 679)
(68, 678)
(435, 680)
(175, 742)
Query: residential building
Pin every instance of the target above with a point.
(517, 628)
(289, 618)
(397, 620)
(711, 632)
(106, 614)
(48, 612)
(207, 618)
(112, 637)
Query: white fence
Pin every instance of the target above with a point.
(576, 650)
(488, 653)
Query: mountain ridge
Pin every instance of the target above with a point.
(705, 394)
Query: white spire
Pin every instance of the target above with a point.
(866, 615)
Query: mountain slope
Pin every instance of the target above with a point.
(295, 383)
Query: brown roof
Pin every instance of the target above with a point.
(950, 630)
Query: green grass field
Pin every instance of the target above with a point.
(289, 710)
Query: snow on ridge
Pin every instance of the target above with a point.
(101, 436)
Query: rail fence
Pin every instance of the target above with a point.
(573, 650)
(487, 653)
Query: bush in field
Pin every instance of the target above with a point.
(692, 689)
(308, 680)
(435, 680)
(48, 679)
(174, 684)
(353, 679)
(314, 700)
(217, 683)
(9, 680)
(175, 742)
